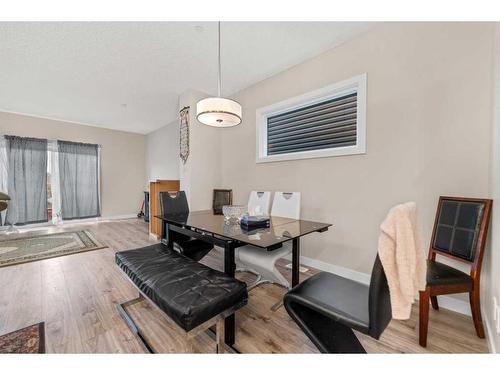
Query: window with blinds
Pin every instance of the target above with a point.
(326, 122)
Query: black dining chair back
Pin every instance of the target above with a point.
(379, 300)
(175, 203)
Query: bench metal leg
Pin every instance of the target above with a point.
(131, 324)
(219, 328)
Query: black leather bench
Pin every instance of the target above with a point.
(193, 295)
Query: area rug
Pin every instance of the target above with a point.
(27, 340)
(36, 247)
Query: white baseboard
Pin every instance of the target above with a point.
(119, 217)
(360, 277)
(447, 302)
(101, 218)
(455, 304)
(490, 337)
(24, 228)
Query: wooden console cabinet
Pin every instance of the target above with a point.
(155, 188)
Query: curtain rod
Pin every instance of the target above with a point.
(2, 138)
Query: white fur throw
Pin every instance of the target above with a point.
(403, 259)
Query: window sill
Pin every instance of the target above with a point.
(344, 151)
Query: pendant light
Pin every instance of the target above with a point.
(217, 111)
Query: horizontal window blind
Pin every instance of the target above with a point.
(324, 125)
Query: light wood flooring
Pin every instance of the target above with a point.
(76, 296)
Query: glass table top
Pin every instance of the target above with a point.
(280, 230)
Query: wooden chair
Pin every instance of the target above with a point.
(460, 231)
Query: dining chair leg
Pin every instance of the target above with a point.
(434, 302)
(423, 317)
(475, 307)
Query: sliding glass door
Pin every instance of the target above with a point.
(49, 180)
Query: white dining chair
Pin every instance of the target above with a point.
(263, 263)
(259, 203)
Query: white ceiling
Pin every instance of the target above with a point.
(128, 76)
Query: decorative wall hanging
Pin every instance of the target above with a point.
(184, 134)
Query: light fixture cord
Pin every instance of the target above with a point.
(219, 83)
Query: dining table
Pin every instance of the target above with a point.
(213, 228)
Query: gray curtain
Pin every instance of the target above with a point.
(27, 180)
(79, 178)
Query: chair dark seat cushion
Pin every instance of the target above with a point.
(193, 248)
(441, 274)
(335, 297)
(187, 291)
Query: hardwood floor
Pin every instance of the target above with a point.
(76, 296)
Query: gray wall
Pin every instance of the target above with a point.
(162, 153)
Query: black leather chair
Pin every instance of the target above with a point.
(328, 307)
(177, 205)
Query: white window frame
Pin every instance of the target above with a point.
(348, 86)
